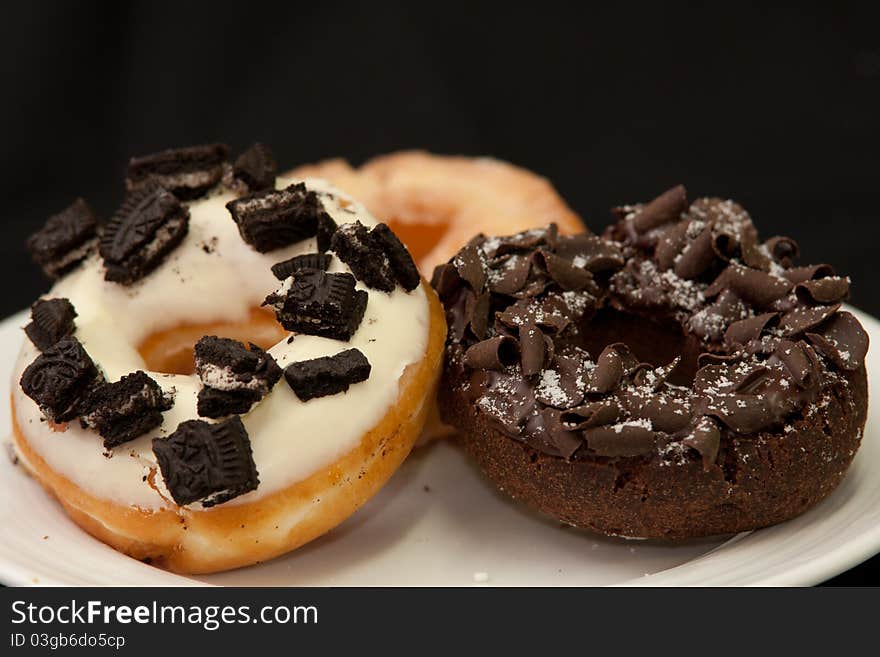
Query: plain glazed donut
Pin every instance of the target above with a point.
(437, 202)
(257, 452)
(675, 378)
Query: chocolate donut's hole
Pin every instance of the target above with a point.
(419, 238)
(171, 351)
(657, 342)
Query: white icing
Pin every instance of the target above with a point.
(291, 439)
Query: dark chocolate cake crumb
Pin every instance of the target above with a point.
(286, 268)
(185, 172)
(357, 247)
(51, 320)
(317, 303)
(211, 463)
(256, 168)
(65, 240)
(327, 375)
(126, 409)
(148, 226)
(60, 379)
(234, 376)
(271, 219)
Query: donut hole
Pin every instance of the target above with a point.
(420, 238)
(654, 341)
(171, 351)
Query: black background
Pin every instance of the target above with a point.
(777, 107)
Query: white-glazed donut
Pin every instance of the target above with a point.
(318, 460)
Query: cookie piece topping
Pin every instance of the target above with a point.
(51, 320)
(234, 376)
(375, 256)
(314, 302)
(328, 375)
(357, 247)
(65, 240)
(256, 168)
(148, 226)
(185, 172)
(211, 463)
(326, 228)
(126, 409)
(307, 261)
(271, 219)
(399, 257)
(60, 379)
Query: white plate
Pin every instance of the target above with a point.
(438, 522)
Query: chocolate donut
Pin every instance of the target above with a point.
(673, 378)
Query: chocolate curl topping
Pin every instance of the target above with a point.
(457, 318)
(535, 285)
(621, 440)
(711, 322)
(697, 256)
(741, 413)
(746, 330)
(783, 249)
(590, 251)
(550, 313)
(566, 275)
(525, 241)
(843, 341)
(707, 358)
(830, 289)
(800, 360)
(670, 244)
(751, 285)
(469, 265)
(752, 254)
(566, 441)
(477, 313)
(493, 354)
(712, 379)
(705, 438)
(512, 276)
(664, 209)
(808, 272)
(594, 414)
(613, 364)
(563, 385)
(666, 413)
(803, 319)
(508, 401)
(655, 377)
(532, 349)
(446, 280)
(725, 244)
(753, 381)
